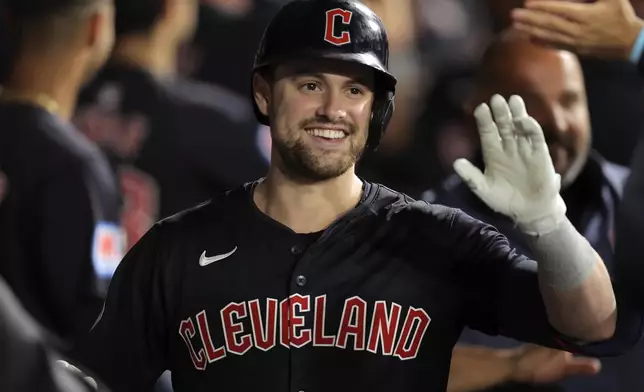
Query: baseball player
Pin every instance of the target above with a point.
(59, 229)
(312, 279)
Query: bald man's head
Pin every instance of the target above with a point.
(551, 83)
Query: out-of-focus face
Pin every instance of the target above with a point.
(319, 115)
(552, 86)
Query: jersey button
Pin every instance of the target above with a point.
(296, 250)
(301, 280)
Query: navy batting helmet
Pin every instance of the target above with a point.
(345, 30)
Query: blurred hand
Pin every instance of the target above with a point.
(603, 28)
(536, 364)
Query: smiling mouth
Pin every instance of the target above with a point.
(325, 133)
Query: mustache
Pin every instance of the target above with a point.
(323, 122)
(565, 139)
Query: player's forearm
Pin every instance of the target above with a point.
(575, 285)
(475, 368)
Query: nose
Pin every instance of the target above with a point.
(332, 107)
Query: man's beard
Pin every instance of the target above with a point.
(300, 162)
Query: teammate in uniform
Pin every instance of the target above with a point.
(58, 217)
(173, 142)
(312, 279)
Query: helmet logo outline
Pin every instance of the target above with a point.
(329, 31)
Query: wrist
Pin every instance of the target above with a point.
(545, 222)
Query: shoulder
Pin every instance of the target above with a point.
(219, 211)
(615, 174)
(450, 227)
(60, 148)
(403, 209)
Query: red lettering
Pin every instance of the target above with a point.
(301, 337)
(187, 332)
(353, 323)
(329, 31)
(235, 344)
(264, 335)
(384, 326)
(418, 318)
(284, 323)
(213, 354)
(319, 339)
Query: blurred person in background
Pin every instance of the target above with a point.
(172, 142)
(609, 83)
(395, 161)
(606, 29)
(213, 38)
(552, 85)
(59, 214)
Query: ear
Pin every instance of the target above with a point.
(261, 94)
(100, 25)
(95, 26)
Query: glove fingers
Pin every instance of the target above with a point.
(471, 175)
(488, 132)
(503, 118)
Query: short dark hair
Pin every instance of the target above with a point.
(137, 16)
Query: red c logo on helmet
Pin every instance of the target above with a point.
(329, 31)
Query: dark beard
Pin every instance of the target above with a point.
(298, 162)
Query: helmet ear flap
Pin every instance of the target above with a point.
(381, 113)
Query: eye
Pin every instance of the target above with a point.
(310, 86)
(355, 91)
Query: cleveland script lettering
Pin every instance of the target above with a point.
(390, 331)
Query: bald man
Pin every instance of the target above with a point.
(551, 83)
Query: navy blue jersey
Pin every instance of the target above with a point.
(229, 299)
(59, 213)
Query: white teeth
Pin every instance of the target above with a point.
(326, 133)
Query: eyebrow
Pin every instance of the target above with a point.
(299, 72)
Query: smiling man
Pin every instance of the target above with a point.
(312, 279)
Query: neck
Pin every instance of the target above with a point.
(160, 59)
(29, 81)
(307, 208)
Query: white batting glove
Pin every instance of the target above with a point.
(519, 179)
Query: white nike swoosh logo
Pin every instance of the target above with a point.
(204, 260)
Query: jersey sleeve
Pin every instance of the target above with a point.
(502, 294)
(128, 346)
